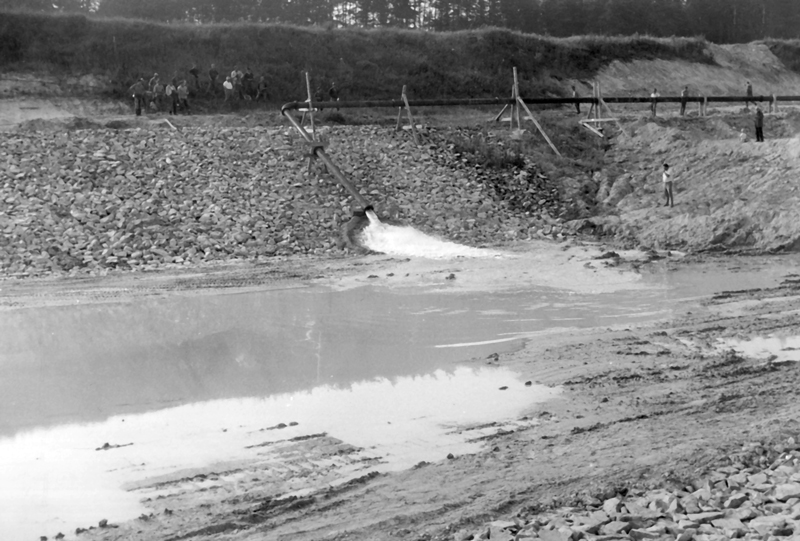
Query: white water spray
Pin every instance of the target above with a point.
(407, 241)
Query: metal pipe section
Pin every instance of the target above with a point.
(697, 99)
(532, 101)
(320, 153)
(412, 103)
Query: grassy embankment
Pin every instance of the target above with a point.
(365, 63)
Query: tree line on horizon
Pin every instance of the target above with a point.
(719, 21)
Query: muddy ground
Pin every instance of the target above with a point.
(654, 405)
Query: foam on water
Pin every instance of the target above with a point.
(407, 241)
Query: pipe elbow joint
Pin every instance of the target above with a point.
(287, 106)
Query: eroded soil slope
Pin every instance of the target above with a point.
(730, 192)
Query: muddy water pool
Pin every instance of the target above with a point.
(183, 381)
(84, 363)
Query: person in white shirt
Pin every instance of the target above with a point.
(666, 178)
(653, 97)
(228, 86)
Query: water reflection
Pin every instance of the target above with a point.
(86, 362)
(60, 478)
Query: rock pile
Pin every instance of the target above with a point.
(91, 200)
(735, 501)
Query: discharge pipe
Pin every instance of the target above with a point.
(319, 151)
(351, 230)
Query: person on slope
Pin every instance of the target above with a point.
(577, 103)
(653, 101)
(666, 179)
(749, 94)
(684, 95)
(759, 122)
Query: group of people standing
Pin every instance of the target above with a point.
(239, 85)
(759, 117)
(157, 95)
(173, 95)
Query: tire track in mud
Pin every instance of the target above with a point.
(276, 488)
(667, 416)
(677, 412)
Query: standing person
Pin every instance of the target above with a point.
(684, 95)
(248, 80)
(212, 75)
(759, 121)
(172, 98)
(183, 97)
(239, 84)
(235, 80)
(238, 93)
(749, 94)
(333, 92)
(666, 179)
(158, 95)
(152, 82)
(227, 86)
(577, 103)
(195, 73)
(138, 92)
(653, 101)
(261, 89)
(318, 95)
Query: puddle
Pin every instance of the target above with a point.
(774, 348)
(60, 478)
(87, 362)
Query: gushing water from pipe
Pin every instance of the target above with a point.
(407, 241)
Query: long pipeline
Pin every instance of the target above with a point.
(319, 151)
(532, 101)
